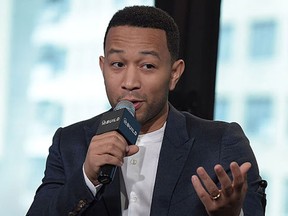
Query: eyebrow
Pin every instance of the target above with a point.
(153, 53)
(112, 51)
(144, 52)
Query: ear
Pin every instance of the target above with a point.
(177, 70)
(101, 63)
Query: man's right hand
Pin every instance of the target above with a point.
(107, 148)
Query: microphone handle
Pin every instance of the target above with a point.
(107, 173)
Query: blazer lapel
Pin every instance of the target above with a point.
(173, 155)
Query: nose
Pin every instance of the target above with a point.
(131, 79)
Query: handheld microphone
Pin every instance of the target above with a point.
(122, 120)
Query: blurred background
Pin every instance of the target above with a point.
(49, 77)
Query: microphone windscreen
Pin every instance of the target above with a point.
(126, 104)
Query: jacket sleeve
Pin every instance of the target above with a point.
(61, 193)
(236, 147)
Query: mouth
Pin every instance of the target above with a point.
(136, 102)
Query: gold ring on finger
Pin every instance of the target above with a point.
(216, 197)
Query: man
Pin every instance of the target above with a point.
(180, 165)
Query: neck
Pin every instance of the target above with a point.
(157, 122)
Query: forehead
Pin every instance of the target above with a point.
(128, 37)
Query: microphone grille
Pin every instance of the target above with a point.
(126, 104)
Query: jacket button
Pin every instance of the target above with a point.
(78, 208)
(81, 203)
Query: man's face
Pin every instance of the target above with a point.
(137, 67)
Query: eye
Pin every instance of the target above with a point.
(117, 64)
(148, 66)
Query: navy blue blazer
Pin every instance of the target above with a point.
(189, 142)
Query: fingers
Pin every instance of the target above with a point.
(201, 192)
(231, 189)
(240, 175)
(132, 149)
(109, 144)
(224, 179)
(211, 187)
(108, 148)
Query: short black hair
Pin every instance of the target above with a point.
(148, 17)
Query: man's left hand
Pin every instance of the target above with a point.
(227, 200)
